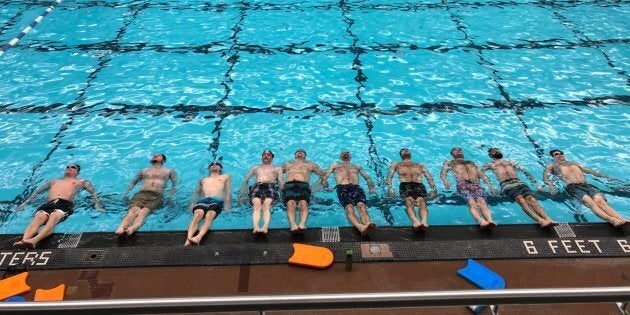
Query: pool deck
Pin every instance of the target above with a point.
(394, 260)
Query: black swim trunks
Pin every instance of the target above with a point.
(263, 191)
(209, 204)
(578, 191)
(350, 194)
(296, 190)
(65, 206)
(413, 190)
(515, 187)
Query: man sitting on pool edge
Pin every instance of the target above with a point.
(61, 194)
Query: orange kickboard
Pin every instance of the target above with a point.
(14, 286)
(311, 256)
(54, 294)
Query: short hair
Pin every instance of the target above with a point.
(554, 151)
(493, 149)
(301, 150)
(78, 167)
(455, 148)
(217, 163)
(403, 149)
(272, 155)
(163, 157)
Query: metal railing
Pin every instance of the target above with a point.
(262, 303)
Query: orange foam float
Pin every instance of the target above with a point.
(311, 256)
(55, 294)
(14, 285)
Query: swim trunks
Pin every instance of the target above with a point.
(263, 190)
(470, 190)
(578, 191)
(350, 194)
(58, 204)
(515, 187)
(296, 190)
(413, 190)
(209, 204)
(146, 199)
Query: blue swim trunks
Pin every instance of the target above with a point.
(209, 204)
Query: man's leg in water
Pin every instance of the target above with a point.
(422, 212)
(601, 202)
(528, 209)
(352, 217)
(588, 201)
(540, 211)
(207, 224)
(485, 211)
(303, 214)
(257, 204)
(291, 205)
(474, 211)
(365, 219)
(47, 230)
(266, 208)
(131, 214)
(138, 221)
(194, 225)
(411, 212)
(31, 230)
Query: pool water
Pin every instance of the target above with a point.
(107, 83)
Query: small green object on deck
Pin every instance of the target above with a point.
(349, 259)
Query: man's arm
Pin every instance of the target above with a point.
(427, 175)
(546, 174)
(527, 174)
(35, 193)
(367, 179)
(242, 191)
(196, 194)
(227, 204)
(486, 180)
(280, 179)
(173, 177)
(390, 176)
(590, 171)
(326, 174)
(446, 167)
(318, 170)
(97, 205)
(133, 183)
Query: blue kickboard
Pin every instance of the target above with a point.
(481, 276)
(16, 298)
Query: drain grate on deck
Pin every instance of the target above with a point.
(564, 230)
(330, 234)
(70, 240)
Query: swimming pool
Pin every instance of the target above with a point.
(107, 83)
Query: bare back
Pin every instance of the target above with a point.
(66, 188)
(155, 179)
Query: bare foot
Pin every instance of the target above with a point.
(29, 244)
(294, 228)
(120, 232)
(545, 224)
(416, 225)
(187, 243)
(491, 224)
(19, 244)
(256, 230)
(617, 223)
(264, 231)
(424, 226)
(369, 230)
(195, 241)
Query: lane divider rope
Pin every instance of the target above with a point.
(28, 28)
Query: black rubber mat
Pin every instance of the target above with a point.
(238, 247)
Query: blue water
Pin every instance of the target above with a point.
(107, 83)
